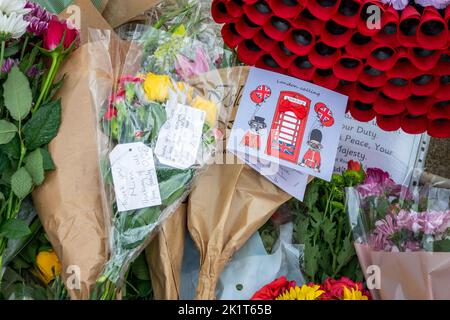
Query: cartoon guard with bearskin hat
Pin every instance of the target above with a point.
(312, 158)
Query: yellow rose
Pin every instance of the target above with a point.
(209, 107)
(47, 266)
(156, 87)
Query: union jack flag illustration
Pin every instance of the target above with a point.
(324, 114)
(286, 148)
(263, 92)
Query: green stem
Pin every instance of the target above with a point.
(56, 62)
(25, 44)
(2, 53)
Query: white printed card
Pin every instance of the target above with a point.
(289, 121)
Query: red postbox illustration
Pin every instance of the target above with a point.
(288, 127)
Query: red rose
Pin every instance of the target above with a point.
(274, 289)
(54, 35)
(354, 166)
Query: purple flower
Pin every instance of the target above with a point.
(397, 4)
(38, 18)
(33, 72)
(187, 68)
(428, 222)
(36, 26)
(8, 64)
(378, 182)
(438, 4)
(412, 246)
(435, 222)
(380, 239)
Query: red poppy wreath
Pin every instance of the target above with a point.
(391, 57)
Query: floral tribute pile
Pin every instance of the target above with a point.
(390, 57)
(34, 43)
(331, 289)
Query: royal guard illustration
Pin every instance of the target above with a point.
(252, 138)
(312, 158)
(288, 127)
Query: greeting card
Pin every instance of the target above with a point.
(291, 122)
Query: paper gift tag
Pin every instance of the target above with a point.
(180, 137)
(134, 176)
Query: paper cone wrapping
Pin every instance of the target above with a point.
(165, 253)
(228, 205)
(408, 275)
(118, 12)
(165, 256)
(69, 202)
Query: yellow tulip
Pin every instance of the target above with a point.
(209, 107)
(156, 87)
(48, 266)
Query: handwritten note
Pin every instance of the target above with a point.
(134, 176)
(180, 138)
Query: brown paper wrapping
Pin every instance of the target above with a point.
(165, 256)
(408, 275)
(118, 12)
(228, 205)
(69, 203)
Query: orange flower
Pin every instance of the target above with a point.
(354, 165)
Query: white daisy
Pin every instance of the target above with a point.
(12, 26)
(9, 6)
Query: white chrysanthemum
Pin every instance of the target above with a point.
(10, 6)
(12, 26)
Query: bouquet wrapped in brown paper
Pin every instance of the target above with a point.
(69, 202)
(155, 129)
(165, 253)
(402, 237)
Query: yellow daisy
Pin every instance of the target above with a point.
(354, 294)
(302, 293)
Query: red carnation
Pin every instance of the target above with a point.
(274, 289)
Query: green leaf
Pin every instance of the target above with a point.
(441, 246)
(7, 131)
(140, 268)
(312, 195)
(347, 252)
(43, 125)
(14, 229)
(12, 149)
(55, 88)
(17, 94)
(21, 183)
(145, 289)
(35, 166)
(47, 160)
(329, 231)
(311, 255)
(11, 50)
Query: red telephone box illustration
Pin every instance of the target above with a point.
(288, 127)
